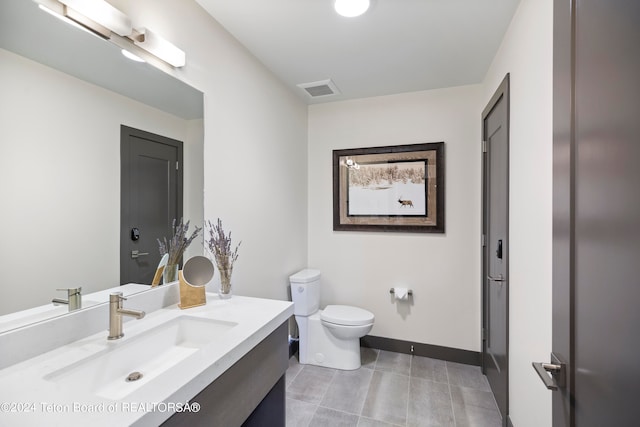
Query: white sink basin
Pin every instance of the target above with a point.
(149, 353)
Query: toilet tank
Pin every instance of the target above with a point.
(305, 292)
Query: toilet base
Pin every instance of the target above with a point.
(324, 349)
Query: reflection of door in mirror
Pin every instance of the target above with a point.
(151, 199)
(62, 109)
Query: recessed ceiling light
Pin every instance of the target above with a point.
(351, 8)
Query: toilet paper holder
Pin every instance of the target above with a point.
(393, 291)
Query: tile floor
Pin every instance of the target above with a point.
(391, 389)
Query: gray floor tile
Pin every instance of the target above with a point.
(325, 417)
(467, 376)
(299, 414)
(311, 384)
(368, 357)
(473, 416)
(429, 404)
(398, 363)
(429, 369)
(293, 370)
(464, 396)
(383, 395)
(348, 390)
(368, 422)
(387, 398)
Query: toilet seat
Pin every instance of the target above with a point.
(346, 315)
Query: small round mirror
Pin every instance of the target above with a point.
(198, 271)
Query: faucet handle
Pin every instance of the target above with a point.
(116, 296)
(71, 291)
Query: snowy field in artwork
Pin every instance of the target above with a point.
(382, 199)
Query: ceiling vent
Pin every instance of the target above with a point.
(319, 89)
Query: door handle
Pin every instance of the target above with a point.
(500, 278)
(135, 254)
(556, 368)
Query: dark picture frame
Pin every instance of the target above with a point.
(393, 188)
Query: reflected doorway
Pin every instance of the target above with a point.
(151, 198)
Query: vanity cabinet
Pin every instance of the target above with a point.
(250, 393)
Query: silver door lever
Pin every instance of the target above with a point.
(556, 368)
(135, 254)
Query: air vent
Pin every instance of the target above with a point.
(321, 88)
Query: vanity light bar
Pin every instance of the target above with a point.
(102, 13)
(86, 23)
(100, 18)
(59, 11)
(157, 46)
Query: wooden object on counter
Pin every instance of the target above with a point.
(190, 296)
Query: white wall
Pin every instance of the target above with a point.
(526, 53)
(443, 270)
(60, 180)
(255, 153)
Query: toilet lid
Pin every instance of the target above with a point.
(346, 315)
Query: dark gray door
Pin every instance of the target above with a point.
(495, 351)
(596, 261)
(151, 197)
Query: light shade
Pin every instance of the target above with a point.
(103, 13)
(163, 49)
(351, 8)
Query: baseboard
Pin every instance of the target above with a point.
(419, 349)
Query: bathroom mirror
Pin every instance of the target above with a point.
(65, 94)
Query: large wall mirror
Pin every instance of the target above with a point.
(65, 95)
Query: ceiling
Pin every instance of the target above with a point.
(397, 46)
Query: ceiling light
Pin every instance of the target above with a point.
(351, 8)
(163, 49)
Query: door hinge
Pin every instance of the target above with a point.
(484, 146)
(484, 334)
(484, 240)
(177, 165)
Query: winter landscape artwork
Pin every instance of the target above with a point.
(398, 188)
(393, 188)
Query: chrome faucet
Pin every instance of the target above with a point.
(115, 315)
(74, 298)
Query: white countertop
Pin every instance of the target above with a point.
(28, 398)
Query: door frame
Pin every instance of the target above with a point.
(502, 92)
(126, 133)
(564, 158)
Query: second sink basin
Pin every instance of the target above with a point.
(123, 367)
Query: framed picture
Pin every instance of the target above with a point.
(394, 188)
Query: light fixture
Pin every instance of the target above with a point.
(163, 49)
(101, 19)
(131, 56)
(351, 8)
(102, 13)
(57, 10)
(97, 16)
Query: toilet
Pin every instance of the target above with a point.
(329, 337)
